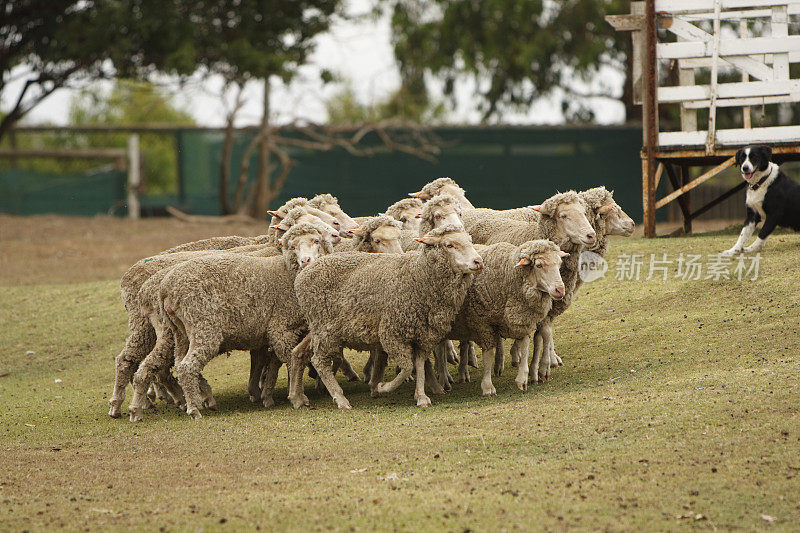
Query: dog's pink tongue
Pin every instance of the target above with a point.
(747, 175)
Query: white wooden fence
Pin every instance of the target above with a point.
(750, 37)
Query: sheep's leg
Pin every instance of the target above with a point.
(488, 362)
(499, 355)
(547, 339)
(406, 367)
(158, 360)
(555, 360)
(537, 357)
(517, 352)
(452, 355)
(347, 370)
(189, 374)
(379, 359)
(270, 378)
(421, 398)
(430, 379)
(173, 389)
(258, 359)
(160, 392)
(368, 368)
(522, 370)
(138, 344)
(323, 365)
(440, 357)
(299, 358)
(473, 359)
(209, 402)
(463, 359)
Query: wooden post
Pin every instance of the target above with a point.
(134, 176)
(650, 113)
(687, 202)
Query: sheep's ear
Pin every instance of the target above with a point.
(276, 214)
(358, 232)
(430, 240)
(419, 215)
(605, 209)
(275, 226)
(562, 254)
(280, 242)
(524, 261)
(283, 226)
(543, 210)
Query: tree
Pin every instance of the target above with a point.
(516, 52)
(344, 107)
(130, 103)
(50, 44)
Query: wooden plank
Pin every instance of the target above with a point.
(697, 181)
(736, 102)
(746, 118)
(693, 6)
(719, 200)
(780, 29)
(626, 22)
(638, 41)
(659, 171)
(730, 47)
(712, 108)
(690, 32)
(729, 90)
(737, 136)
(793, 9)
(705, 62)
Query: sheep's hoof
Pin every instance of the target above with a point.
(135, 414)
(544, 377)
(343, 403)
(268, 401)
(300, 401)
(498, 368)
(463, 377)
(210, 404)
(452, 359)
(423, 401)
(522, 383)
(489, 391)
(147, 404)
(514, 362)
(114, 411)
(194, 412)
(556, 361)
(436, 388)
(152, 395)
(445, 385)
(254, 398)
(472, 361)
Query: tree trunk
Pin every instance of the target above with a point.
(262, 190)
(225, 168)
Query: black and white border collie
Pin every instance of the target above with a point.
(771, 197)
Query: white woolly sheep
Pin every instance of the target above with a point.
(408, 211)
(443, 186)
(234, 302)
(402, 303)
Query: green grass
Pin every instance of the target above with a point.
(678, 401)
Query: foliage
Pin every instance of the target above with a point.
(129, 103)
(344, 107)
(516, 52)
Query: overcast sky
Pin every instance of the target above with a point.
(361, 54)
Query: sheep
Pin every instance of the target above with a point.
(512, 295)
(228, 302)
(562, 218)
(607, 218)
(380, 234)
(141, 339)
(443, 186)
(402, 303)
(408, 211)
(219, 243)
(301, 214)
(330, 204)
(439, 211)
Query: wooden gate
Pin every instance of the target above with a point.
(708, 40)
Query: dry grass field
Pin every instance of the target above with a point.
(678, 407)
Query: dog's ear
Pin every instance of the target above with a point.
(767, 151)
(739, 157)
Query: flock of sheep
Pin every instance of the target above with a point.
(404, 284)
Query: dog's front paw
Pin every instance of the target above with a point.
(732, 251)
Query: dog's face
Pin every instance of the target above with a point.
(752, 160)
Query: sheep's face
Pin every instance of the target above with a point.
(345, 222)
(307, 248)
(617, 222)
(445, 214)
(330, 233)
(458, 249)
(571, 221)
(386, 239)
(410, 217)
(543, 273)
